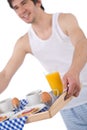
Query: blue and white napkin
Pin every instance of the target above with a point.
(17, 123)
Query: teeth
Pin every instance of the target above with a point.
(26, 16)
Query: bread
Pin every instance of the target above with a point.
(15, 102)
(28, 112)
(2, 118)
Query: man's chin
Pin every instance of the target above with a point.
(27, 21)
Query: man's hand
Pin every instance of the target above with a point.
(71, 84)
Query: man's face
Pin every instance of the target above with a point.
(25, 9)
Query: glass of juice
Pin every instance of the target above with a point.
(55, 83)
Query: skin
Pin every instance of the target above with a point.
(42, 25)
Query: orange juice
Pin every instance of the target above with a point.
(55, 83)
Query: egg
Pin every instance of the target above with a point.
(46, 97)
(15, 102)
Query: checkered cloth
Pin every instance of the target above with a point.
(17, 123)
(44, 109)
(14, 124)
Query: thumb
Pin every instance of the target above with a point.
(65, 83)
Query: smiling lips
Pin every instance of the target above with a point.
(25, 16)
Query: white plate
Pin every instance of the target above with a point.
(28, 108)
(7, 114)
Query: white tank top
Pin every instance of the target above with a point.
(55, 54)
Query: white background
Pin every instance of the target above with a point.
(30, 76)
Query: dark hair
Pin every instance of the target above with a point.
(34, 1)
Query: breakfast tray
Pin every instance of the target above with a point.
(52, 111)
(17, 123)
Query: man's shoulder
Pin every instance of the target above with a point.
(23, 42)
(67, 15)
(67, 19)
(23, 39)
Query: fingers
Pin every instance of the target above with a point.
(76, 93)
(72, 87)
(72, 92)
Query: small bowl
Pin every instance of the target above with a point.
(34, 97)
(6, 105)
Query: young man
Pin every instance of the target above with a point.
(60, 45)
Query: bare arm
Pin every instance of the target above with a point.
(17, 58)
(80, 43)
(78, 39)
